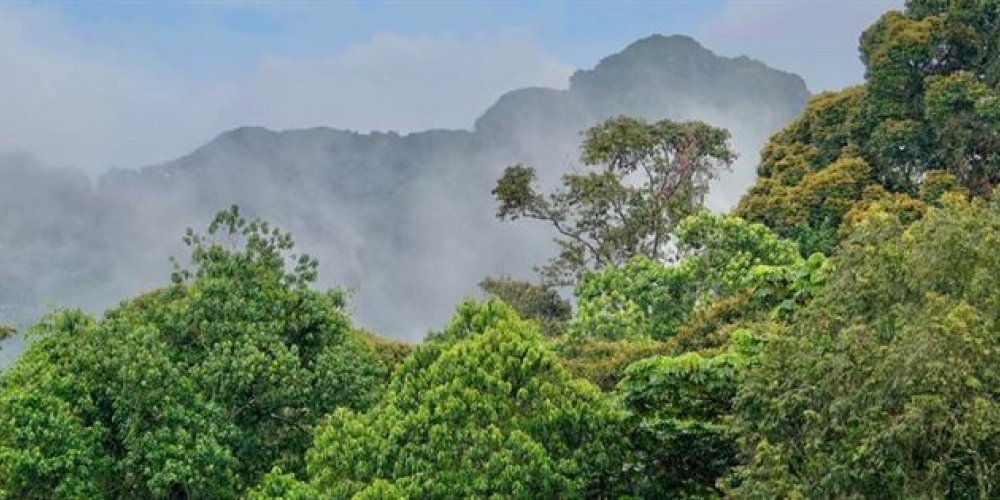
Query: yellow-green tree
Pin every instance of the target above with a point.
(885, 385)
(930, 102)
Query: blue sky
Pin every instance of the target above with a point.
(231, 36)
(105, 84)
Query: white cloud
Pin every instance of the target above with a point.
(72, 101)
(816, 39)
(396, 82)
(92, 112)
(76, 104)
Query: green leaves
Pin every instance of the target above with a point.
(680, 433)
(726, 257)
(965, 114)
(46, 450)
(629, 144)
(195, 390)
(640, 300)
(887, 385)
(235, 247)
(649, 176)
(515, 193)
(484, 411)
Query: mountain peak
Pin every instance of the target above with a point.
(657, 42)
(247, 134)
(669, 53)
(682, 65)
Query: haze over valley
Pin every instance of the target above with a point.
(403, 218)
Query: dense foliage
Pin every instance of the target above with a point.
(194, 390)
(726, 258)
(486, 413)
(838, 336)
(679, 428)
(887, 384)
(930, 105)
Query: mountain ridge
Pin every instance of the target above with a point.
(405, 219)
(639, 53)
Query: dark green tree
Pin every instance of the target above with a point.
(531, 301)
(932, 93)
(192, 391)
(680, 431)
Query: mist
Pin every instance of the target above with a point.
(405, 222)
(108, 152)
(821, 30)
(94, 108)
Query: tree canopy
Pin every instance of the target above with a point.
(193, 390)
(885, 386)
(836, 336)
(726, 258)
(648, 177)
(485, 413)
(930, 104)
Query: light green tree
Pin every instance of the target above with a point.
(483, 411)
(724, 257)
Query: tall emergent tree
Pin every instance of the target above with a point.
(648, 177)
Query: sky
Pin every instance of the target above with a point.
(100, 84)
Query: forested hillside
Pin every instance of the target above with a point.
(837, 335)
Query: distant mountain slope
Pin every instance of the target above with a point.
(405, 220)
